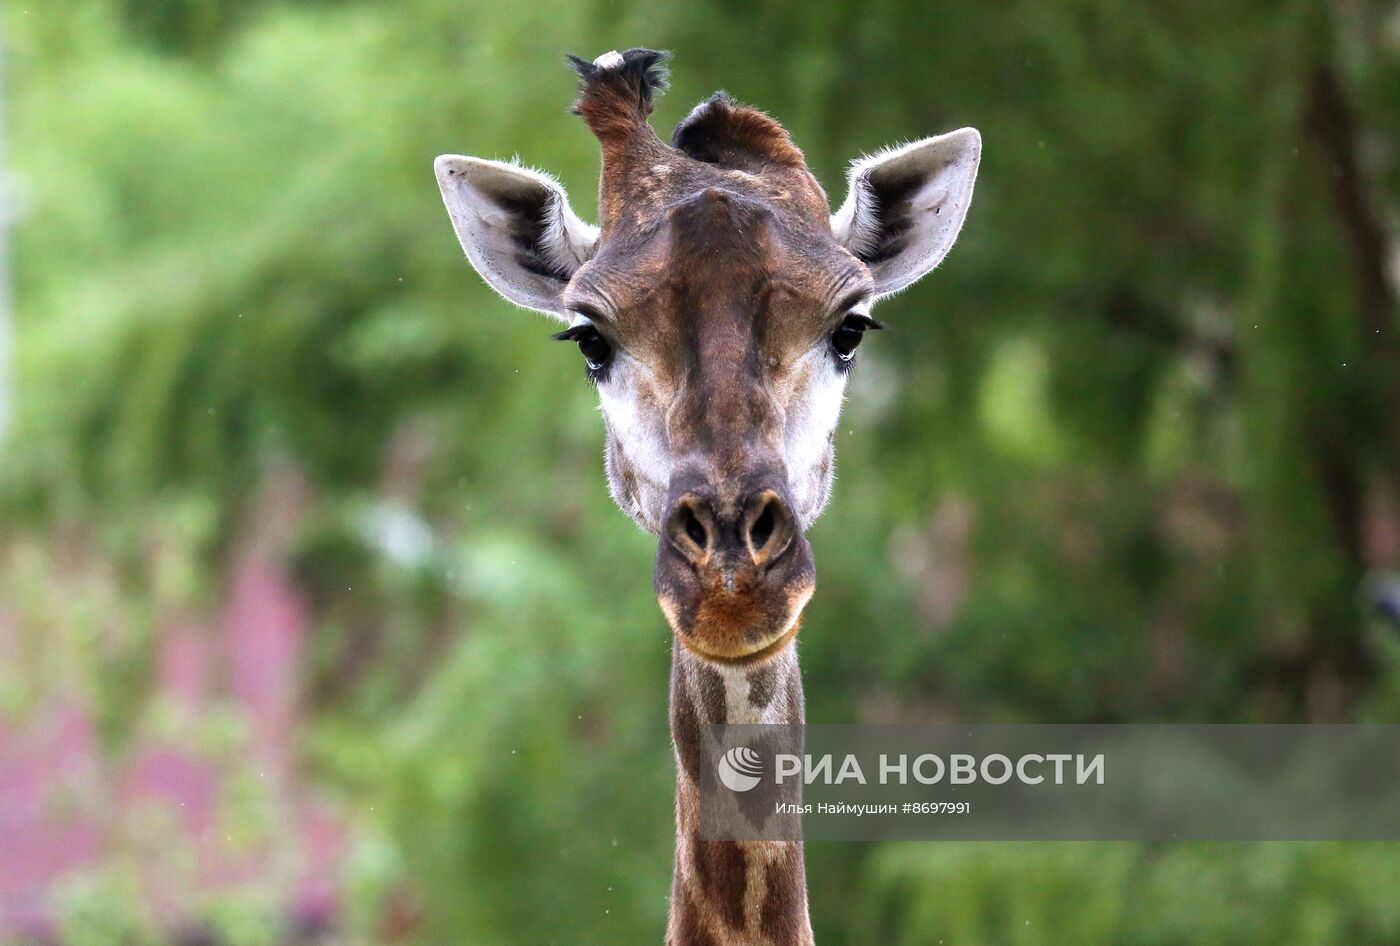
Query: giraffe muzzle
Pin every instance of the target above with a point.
(732, 575)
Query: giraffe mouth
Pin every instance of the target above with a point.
(777, 646)
(735, 615)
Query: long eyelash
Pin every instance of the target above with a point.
(844, 366)
(572, 334)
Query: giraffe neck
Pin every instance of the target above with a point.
(732, 893)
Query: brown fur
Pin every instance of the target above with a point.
(721, 131)
(717, 308)
(730, 893)
(716, 273)
(716, 297)
(761, 683)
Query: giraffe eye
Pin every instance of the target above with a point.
(595, 348)
(848, 335)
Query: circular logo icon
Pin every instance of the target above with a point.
(740, 769)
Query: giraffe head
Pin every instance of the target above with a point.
(718, 308)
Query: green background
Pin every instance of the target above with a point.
(1129, 455)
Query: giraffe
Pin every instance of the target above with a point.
(718, 307)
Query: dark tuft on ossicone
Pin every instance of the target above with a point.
(634, 82)
(697, 133)
(721, 131)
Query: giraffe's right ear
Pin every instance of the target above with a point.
(517, 229)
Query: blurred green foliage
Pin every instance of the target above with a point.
(1126, 456)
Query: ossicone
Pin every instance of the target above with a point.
(617, 91)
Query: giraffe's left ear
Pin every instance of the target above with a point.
(906, 205)
(517, 228)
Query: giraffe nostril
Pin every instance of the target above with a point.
(770, 528)
(762, 529)
(759, 529)
(695, 528)
(689, 529)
